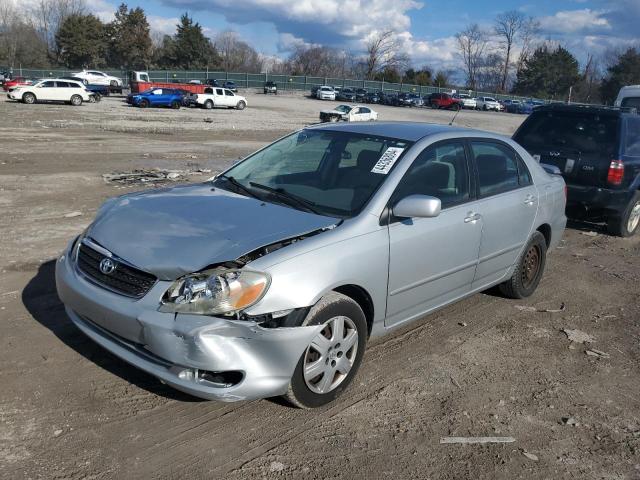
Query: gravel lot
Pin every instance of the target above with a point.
(485, 366)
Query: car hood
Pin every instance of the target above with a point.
(176, 231)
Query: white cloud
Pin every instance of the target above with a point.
(163, 25)
(573, 21)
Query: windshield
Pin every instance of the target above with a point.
(586, 133)
(334, 173)
(343, 108)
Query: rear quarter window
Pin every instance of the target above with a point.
(632, 137)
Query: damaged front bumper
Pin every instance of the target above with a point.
(208, 357)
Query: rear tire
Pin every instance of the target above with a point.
(175, 105)
(628, 223)
(341, 356)
(241, 105)
(208, 104)
(529, 269)
(29, 98)
(76, 100)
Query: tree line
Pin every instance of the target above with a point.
(508, 57)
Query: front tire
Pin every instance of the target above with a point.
(29, 98)
(529, 269)
(628, 223)
(333, 357)
(113, 83)
(76, 100)
(241, 105)
(143, 103)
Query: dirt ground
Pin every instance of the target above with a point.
(486, 366)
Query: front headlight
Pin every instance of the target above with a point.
(215, 291)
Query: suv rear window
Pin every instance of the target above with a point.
(630, 102)
(582, 131)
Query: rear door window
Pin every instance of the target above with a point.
(497, 168)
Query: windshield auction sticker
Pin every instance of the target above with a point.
(387, 160)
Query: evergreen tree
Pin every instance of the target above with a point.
(82, 42)
(625, 72)
(129, 39)
(548, 73)
(192, 49)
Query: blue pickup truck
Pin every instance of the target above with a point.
(157, 97)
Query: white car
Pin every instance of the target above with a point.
(349, 113)
(467, 100)
(326, 93)
(52, 90)
(95, 77)
(220, 97)
(629, 97)
(487, 103)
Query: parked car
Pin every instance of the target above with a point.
(349, 113)
(98, 78)
(416, 100)
(270, 87)
(12, 83)
(444, 100)
(326, 93)
(517, 106)
(391, 99)
(220, 97)
(213, 82)
(157, 97)
(195, 82)
(52, 90)
(230, 85)
(487, 103)
(629, 97)
(597, 150)
(404, 100)
(466, 100)
(270, 279)
(346, 95)
(373, 97)
(361, 93)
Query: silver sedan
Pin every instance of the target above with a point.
(270, 279)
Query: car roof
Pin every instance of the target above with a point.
(409, 131)
(590, 109)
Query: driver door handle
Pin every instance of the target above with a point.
(472, 217)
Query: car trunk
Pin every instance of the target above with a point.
(580, 144)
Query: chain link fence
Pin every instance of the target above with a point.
(284, 82)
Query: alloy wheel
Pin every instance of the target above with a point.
(634, 218)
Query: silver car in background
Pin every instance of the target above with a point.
(270, 279)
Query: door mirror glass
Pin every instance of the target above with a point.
(417, 206)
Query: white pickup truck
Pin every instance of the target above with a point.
(219, 97)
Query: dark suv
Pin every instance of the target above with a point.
(597, 150)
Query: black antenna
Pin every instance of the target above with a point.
(454, 116)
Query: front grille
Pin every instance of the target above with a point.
(125, 280)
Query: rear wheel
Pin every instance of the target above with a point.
(76, 100)
(529, 269)
(241, 104)
(29, 98)
(208, 104)
(175, 105)
(628, 223)
(97, 97)
(334, 355)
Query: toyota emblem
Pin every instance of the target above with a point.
(107, 266)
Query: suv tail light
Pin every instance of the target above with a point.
(616, 172)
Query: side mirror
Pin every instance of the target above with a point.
(417, 206)
(551, 169)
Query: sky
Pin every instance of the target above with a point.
(426, 29)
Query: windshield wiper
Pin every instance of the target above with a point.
(282, 193)
(238, 185)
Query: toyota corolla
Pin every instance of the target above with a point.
(270, 279)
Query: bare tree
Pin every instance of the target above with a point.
(508, 26)
(383, 52)
(48, 15)
(472, 42)
(526, 38)
(236, 54)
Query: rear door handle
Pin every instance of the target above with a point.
(529, 200)
(472, 217)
